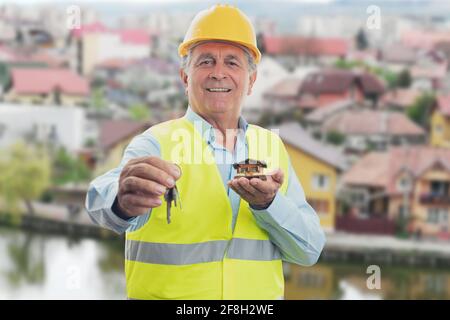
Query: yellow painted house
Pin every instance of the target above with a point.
(317, 167)
(440, 123)
(115, 135)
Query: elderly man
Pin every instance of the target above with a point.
(229, 236)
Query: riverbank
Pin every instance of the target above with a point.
(56, 219)
(340, 247)
(386, 250)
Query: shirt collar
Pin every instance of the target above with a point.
(205, 128)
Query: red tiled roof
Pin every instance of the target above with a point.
(424, 39)
(339, 81)
(288, 87)
(115, 131)
(436, 72)
(89, 28)
(129, 36)
(115, 63)
(134, 36)
(401, 97)
(40, 80)
(369, 122)
(381, 168)
(277, 45)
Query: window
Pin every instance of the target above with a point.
(310, 280)
(437, 216)
(439, 188)
(320, 182)
(404, 184)
(403, 211)
(438, 128)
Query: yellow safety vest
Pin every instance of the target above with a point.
(198, 255)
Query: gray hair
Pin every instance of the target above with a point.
(186, 60)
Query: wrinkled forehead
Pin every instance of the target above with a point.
(232, 45)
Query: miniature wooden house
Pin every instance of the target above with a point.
(250, 168)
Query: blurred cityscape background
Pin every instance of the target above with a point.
(360, 91)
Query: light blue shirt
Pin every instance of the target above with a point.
(292, 224)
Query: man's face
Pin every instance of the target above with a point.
(217, 78)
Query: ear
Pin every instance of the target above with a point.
(184, 77)
(252, 80)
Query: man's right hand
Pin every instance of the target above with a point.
(142, 182)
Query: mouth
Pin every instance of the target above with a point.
(218, 89)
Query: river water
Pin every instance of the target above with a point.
(37, 266)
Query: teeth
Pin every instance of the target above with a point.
(218, 89)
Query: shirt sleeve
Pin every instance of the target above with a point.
(293, 225)
(103, 190)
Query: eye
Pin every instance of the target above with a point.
(206, 62)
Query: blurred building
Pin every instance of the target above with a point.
(409, 185)
(366, 130)
(318, 168)
(114, 137)
(400, 99)
(48, 124)
(331, 85)
(269, 73)
(440, 122)
(95, 43)
(292, 51)
(47, 86)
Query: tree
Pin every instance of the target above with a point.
(361, 40)
(98, 99)
(139, 112)
(404, 79)
(335, 137)
(419, 112)
(68, 168)
(24, 175)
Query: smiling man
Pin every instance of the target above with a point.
(230, 236)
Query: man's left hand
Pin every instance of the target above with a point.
(258, 193)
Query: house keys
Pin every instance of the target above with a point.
(172, 195)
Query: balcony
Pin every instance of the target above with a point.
(432, 198)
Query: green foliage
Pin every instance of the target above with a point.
(391, 78)
(139, 112)
(419, 112)
(68, 168)
(24, 175)
(335, 137)
(404, 79)
(98, 101)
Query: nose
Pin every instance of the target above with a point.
(218, 72)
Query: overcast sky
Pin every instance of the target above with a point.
(132, 1)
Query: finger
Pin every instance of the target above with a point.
(245, 184)
(241, 191)
(278, 176)
(146, 171)
(267, 187)
(130, 200)
(142, 186)
(166, 166)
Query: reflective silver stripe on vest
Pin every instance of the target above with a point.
(169, 253)
(182, 254)
(248, 249)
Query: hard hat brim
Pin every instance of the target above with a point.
(184, 47)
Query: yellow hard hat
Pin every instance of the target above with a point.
(221, 22)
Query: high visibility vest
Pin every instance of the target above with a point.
(199, 255)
